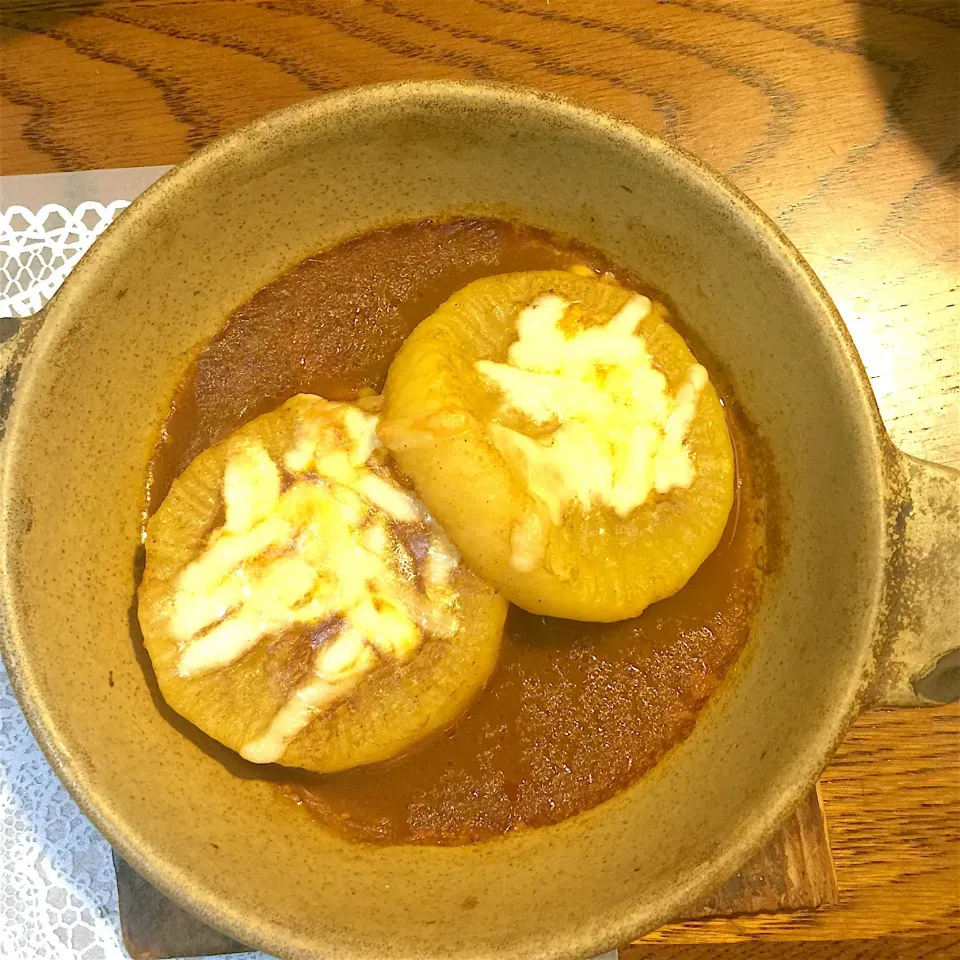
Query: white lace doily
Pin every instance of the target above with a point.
(58, 894)
(37, 250)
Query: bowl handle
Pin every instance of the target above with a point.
(919, 643)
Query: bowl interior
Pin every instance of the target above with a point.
(119, 337)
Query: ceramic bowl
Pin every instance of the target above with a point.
(858, 611)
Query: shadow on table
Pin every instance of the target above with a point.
(38, 16)
(913, 51)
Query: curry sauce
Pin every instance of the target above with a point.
(574, 712)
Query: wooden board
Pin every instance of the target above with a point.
(838, 118)
(792, 872)
(155, 928)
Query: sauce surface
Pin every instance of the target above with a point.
(574, 712)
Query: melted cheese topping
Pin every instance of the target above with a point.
(325, 547)
(601, 428)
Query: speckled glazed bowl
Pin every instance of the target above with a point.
(859, 608)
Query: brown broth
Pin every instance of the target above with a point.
(575, 711)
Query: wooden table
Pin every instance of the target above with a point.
(839, 119)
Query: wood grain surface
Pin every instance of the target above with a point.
(838, 118)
